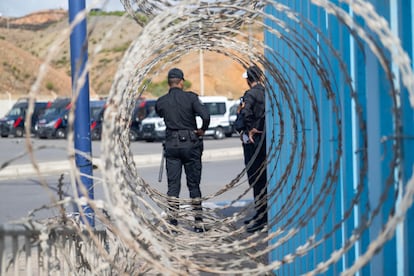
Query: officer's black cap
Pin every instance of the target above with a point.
(176, 73)
(253, 73)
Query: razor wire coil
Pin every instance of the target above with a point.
(141, 237)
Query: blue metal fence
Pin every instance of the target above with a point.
(405, 238)
(345, 134)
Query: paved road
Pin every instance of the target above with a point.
(22, 191)
(55, 149)
(19, 196)
(51, 155)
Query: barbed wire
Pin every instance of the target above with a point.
(142, 241)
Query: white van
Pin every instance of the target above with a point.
(219, 108)
(153, 127)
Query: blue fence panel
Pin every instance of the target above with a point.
(336, 171)
(359, 132)
(380, 154)
(406, 241)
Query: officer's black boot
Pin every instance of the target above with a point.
(198, 228)
(247, 221)
(198, 218)
(173, 207)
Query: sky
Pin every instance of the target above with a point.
(18, 8)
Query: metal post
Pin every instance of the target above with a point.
(201, 57)
(79, 57)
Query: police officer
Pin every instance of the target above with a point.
(254, 145)
(183, 142)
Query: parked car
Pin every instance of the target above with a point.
(153, 127)
(95, 106)
(96, 124)
(141, 110)
(13, 123)
(55, 123)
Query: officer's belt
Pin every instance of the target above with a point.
(181, 134)
(180, 131)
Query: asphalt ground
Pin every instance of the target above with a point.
(27, 170)
(145, 160)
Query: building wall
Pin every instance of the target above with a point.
(5, 106)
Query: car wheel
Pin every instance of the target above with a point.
(219, 133)
(60, 133)
(4, 135)
(19, 132)
(133, 135)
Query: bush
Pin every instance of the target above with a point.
(160, 88)
(98, 12)
(122, 48)
(50, 86)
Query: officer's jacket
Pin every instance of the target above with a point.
(179, 109)
(254, 108)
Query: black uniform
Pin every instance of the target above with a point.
(182, 146)
(254, 117)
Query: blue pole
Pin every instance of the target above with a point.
(79, 57)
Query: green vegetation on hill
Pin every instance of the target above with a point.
(158, 89)
(142, 18)
(97, 12)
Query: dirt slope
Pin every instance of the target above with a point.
(26, 41)
(19, 70)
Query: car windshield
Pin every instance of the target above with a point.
(98, 116)
(152, 114)
(143, 109)
(16, 111)
(233, 109)
(56, 109)
(51, 112)
(95, 110)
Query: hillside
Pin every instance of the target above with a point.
(27, 40)
(19, 69)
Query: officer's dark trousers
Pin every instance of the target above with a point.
(188, 157)
(257, 174)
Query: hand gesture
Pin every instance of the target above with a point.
(199, 132)
(252, 132)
